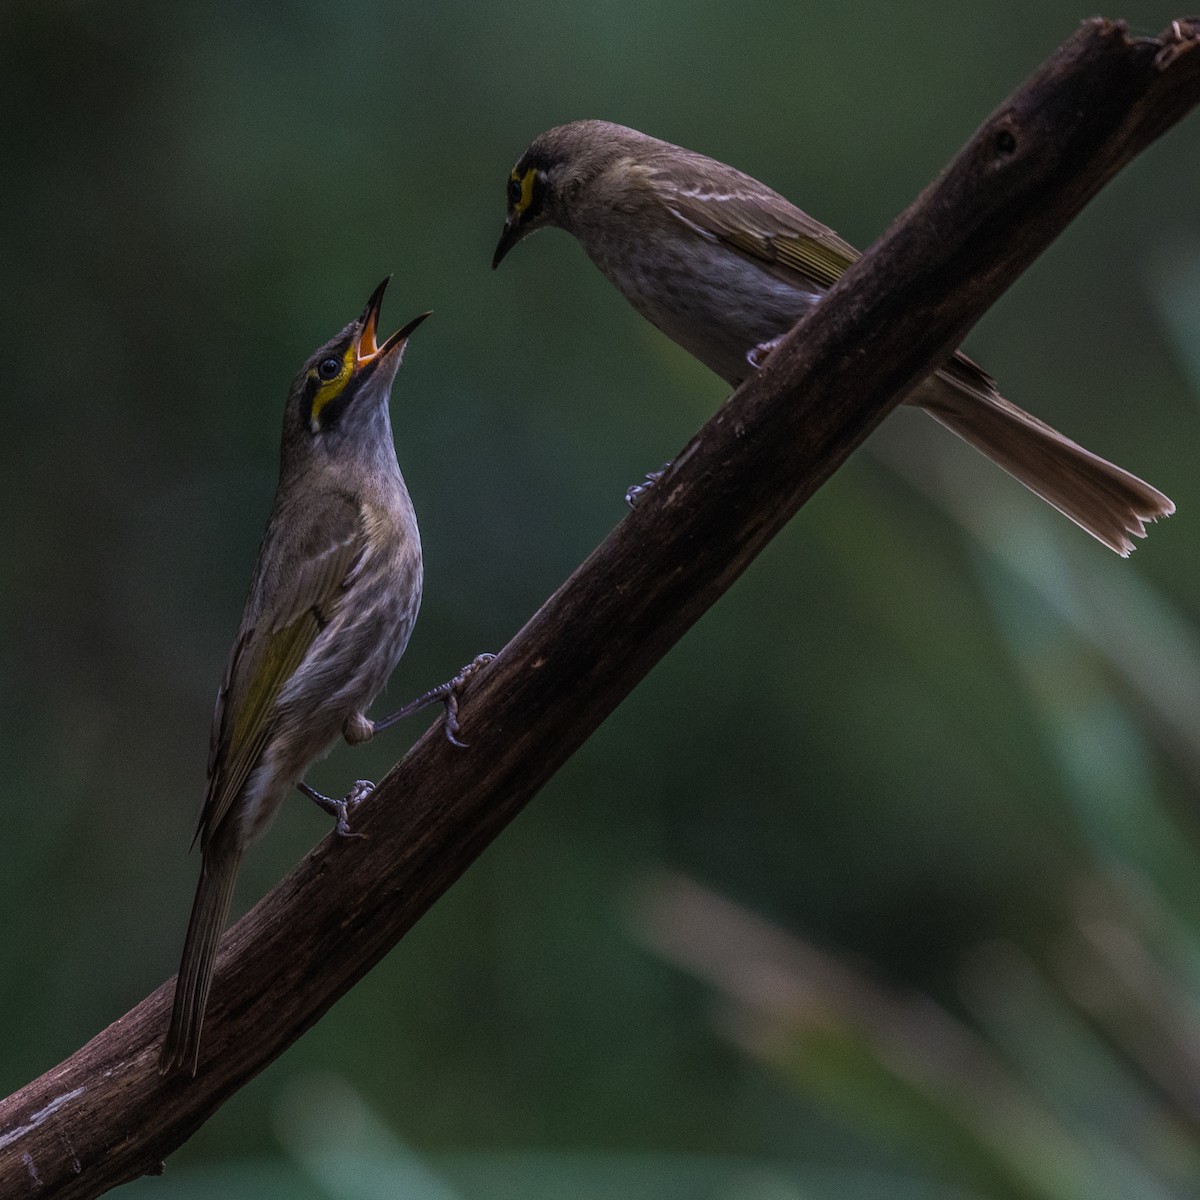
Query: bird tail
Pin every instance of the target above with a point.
(1098, 496)
(209, 910)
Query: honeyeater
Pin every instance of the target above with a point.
(725, 266)
(332, 603)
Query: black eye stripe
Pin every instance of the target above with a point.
(331, 413)
(306, 400)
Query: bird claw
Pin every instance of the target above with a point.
(358, 793)
(342, 829)
(341, 809)
(635, 493)
(347, 804)
(451, 725)
(759, 354)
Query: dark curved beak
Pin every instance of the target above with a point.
(368, 350)
(508, 239)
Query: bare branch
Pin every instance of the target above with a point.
(104, 1116)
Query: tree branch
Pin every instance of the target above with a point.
(104, 1116)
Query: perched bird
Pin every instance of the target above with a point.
(725, 266)
(332, 602)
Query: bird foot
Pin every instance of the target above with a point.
(359, 729)
(635, 493)
(347, 804)
(760, 353)
(341, 809)
(451, 697)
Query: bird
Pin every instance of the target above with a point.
(725, 266)
(332, 603)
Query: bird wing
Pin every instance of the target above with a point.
(300, 581)
(727, 206)
(723, 204)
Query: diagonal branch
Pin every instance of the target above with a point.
(104, 1116)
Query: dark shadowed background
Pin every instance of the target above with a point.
(937, 735)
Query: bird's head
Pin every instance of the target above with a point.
(345, 385)
(551, 174)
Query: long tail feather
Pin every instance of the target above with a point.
(1108, 502)
(209, 910)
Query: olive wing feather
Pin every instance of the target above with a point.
(299, 584)
(727, 206)
(730, 207)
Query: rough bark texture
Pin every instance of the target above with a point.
(104, 1116)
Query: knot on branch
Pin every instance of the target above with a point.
(1004, 138)
(1000, 145)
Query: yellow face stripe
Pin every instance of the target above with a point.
(526, 182)
(332, 388)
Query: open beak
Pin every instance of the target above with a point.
(368, 350)
(508, 239)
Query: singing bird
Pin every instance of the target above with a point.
(332, 603)
(724, 266)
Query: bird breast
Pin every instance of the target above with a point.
(711, 300)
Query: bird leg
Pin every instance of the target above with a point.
(759, 354)
(340, 808)
(360, 728)
(755, 356)
(635, 493)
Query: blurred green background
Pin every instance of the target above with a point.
(939, 748)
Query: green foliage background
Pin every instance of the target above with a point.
(935, 732)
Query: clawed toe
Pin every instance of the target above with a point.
(451, 728)
(759, 354)
(358, 793)
(342, 829)
(341, 809)
(450, 723)
(480, 660)
(635, 493)
(354, 797)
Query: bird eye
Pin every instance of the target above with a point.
(329, 368)
(514, 192)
